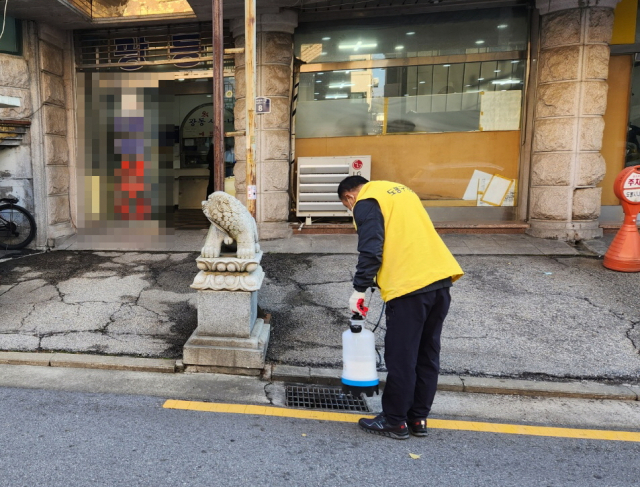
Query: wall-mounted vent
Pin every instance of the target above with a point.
(318, 179)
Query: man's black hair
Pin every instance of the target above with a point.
(349, 183)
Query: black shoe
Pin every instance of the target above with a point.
(418, 427)
(380, 426)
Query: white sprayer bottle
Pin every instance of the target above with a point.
(359, 374)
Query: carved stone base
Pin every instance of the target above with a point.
(229, 281)
(228, 273)
(214, 353)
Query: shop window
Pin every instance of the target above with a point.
(11, 40)
(459, 97)
(441, 34)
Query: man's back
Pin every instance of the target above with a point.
(414, 255)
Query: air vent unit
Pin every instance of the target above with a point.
(318, 179)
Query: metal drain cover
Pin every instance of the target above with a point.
(314, 397)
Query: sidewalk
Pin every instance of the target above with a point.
(527, 308)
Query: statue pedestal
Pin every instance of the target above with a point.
(230, 338)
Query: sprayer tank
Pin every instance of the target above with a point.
(359, 372)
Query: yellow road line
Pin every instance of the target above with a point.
(511, 429)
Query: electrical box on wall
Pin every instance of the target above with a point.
(318, 179)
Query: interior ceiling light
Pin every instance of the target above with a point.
(341, 85)
(410, 33)
(503, 26)
(496, 70)
(480, 79)
(336, 96)
(515, 62)
(446, 65)
(505, 81)
(358, 45)
(422, 82)
(326, 38)
(480, 41)
(399, 48)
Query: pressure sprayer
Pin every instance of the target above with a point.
(359, 372)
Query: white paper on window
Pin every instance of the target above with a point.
(496, 190)
(500, 110)
(472, 190)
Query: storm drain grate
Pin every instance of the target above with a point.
(313, 397)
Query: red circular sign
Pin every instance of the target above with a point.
(357, 164)
(627, 185)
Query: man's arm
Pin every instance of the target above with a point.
(370, 223)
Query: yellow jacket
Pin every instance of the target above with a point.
(413, 254)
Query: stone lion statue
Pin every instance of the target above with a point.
(230, 221)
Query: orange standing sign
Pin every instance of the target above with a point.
(624, 252)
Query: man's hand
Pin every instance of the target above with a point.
(356, 303)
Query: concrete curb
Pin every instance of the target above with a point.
(311, 375)
(480, 385)
(86, 361)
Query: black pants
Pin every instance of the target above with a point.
(412, 353)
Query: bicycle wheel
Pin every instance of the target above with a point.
(17, 227)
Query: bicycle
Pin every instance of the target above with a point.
(17, 225)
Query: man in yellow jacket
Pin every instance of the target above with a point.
(401, 253)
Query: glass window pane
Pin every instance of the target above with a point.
(487, 75)
(471, 75)
(435, 98)
(425, 80)
(440, 79)
(438, 34)
(10, 41)
(456, 78)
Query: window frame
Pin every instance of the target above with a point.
(18, 33)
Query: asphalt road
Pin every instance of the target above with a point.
(61, 438)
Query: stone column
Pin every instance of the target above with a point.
(53, 129)
(571, 100)
(274, 55)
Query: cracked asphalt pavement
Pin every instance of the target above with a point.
(512, 316)
(515, 316)
(112, 303)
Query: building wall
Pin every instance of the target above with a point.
(40, 170)
(16, 175)
(616, 121)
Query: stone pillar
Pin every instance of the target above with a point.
(274, 55)
(55, 79)
(571, 100)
